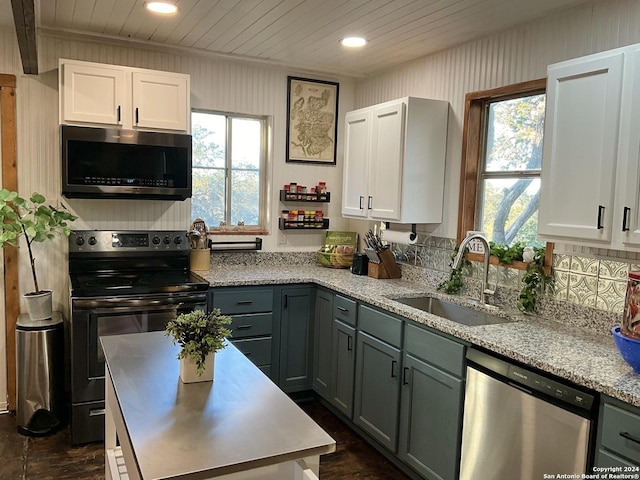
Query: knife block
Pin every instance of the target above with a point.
(387, 268)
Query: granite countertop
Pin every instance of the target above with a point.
(585, 357)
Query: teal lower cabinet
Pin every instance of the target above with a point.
(323, 382)
(618, 438)
(344, 363)
(377, 378)
(431, 403)
(253, 325)
(296, 338)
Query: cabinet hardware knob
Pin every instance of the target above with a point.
(244, 302)
(136, 115)
(600, 212)
(244, 327)
(342, 309)
(369, 202)
(625, 215)
(361, 200)
(286, 300)
(118, 111)
(405, 371)
(630, 437)
(394, 365)
(349, 343)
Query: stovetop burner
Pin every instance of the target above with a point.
(108, 263)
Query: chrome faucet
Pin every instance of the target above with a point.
(484, 291)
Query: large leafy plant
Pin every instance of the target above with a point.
(34, 220)
(199, 333)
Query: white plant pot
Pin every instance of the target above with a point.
(189, 372)
(39, 305)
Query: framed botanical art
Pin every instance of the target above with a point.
(312, 120)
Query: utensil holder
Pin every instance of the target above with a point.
(387, 268)
(199, 259)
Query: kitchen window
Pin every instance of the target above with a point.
(501, 162)
(228, 171)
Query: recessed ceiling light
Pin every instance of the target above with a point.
(165, 8)
(353, 42)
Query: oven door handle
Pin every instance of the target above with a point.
(164, 303)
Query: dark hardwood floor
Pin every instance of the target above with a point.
(53, 458)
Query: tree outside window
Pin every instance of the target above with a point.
(229, 154)
(510, 178)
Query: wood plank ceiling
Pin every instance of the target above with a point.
(300, 33)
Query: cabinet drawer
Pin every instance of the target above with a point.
(344, 309)
(258, 350)
(616, 424)
(380, 325)
(243, 300)
(251, 325)
(435, 349)
(607, 459)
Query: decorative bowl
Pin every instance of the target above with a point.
(629, 348)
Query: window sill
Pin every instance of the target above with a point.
(493, 260)
(237, 231)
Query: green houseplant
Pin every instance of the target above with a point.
(37, 222)
(199, 335)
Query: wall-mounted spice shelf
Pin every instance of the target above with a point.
(305, 225)
(305, 197)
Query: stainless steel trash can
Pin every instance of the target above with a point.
(40, 405)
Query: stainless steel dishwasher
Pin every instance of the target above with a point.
(521, 424)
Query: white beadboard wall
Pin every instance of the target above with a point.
(516, 55)
(216, 84)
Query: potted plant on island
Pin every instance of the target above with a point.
(37, 222)
(199, 335)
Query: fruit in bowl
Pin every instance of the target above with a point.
(629, 348)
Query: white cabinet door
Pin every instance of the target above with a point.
(581, 148)
(387, 152)
(160, 100)
(92, 94)
(628, 209)
(356, 163)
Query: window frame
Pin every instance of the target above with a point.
(263, 213)
(473, 142)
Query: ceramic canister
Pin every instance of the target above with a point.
(631, 316)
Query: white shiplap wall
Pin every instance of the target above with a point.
(513, 56)
(222, 85)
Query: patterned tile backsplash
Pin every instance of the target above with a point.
(580, 278)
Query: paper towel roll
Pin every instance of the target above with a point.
(406, 238)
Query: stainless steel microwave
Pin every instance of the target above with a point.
(117, 163)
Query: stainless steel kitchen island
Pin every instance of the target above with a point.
(240, 426)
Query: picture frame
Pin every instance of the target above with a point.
(312, 121)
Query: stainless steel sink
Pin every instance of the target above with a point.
(451, 311)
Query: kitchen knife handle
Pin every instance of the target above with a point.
(136, 115)
(630, 437)
(369, 201)
(118, 110)
(625, 214)
(600, 212)
(361, 200)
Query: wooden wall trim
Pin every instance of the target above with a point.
(10, 181)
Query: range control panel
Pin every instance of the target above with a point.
(120, 241)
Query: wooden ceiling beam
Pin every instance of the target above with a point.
(24, 19)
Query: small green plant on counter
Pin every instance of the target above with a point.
(199, 333)
(534, 282)
(454, 284)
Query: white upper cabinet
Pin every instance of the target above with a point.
(394, 161)
(98, 94)
(590, 191)
(581, 147)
